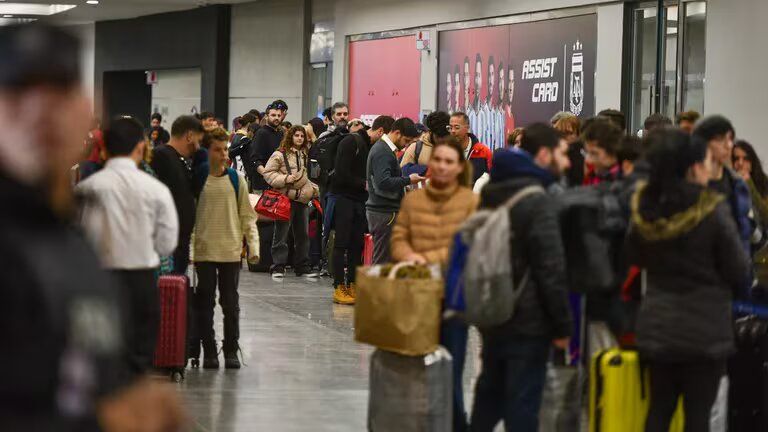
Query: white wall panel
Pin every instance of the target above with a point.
(176, 93)
(736, 66)
(267, 56)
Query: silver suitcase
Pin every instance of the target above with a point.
(411, 394)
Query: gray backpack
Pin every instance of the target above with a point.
(490, 291)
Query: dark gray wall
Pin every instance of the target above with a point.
(197, 38)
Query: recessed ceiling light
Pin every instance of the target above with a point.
(92, 2)
(32, 9)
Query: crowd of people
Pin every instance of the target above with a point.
(152, 202)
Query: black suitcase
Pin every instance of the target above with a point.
(748, 373)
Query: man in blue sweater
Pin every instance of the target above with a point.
(386, 185)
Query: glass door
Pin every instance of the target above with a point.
(668, 57)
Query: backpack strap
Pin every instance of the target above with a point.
(234, 178)
(522, 194)
(419, 148)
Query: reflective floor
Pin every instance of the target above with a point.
(304, 370)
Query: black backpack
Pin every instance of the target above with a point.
(322, 157)
(593, 223)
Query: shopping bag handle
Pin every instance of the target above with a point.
(397, 267)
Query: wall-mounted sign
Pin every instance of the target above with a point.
(516, 74)
(384, 78)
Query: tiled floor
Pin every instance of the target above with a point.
(304, 371)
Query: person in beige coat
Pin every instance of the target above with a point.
(428, 220)
(286, 172)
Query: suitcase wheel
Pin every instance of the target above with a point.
(177, 376)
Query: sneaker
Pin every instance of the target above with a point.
(341, 296)
(278, 272)
(307, 273)
(353, 291)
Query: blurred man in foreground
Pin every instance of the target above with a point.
(60, 317)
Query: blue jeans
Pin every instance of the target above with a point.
(511, 384)
(453, 336)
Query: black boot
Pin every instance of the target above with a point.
(231, 360)
(210, 355)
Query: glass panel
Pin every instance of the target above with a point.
(669, 90)
(644, 65)
(694, 56)
(318, 91)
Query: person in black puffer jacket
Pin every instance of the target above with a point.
(686, 239)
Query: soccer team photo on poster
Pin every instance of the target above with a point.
(512, 75)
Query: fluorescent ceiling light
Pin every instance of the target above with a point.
(92, 2)
(33, 9)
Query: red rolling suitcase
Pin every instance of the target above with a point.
(171, 349)
(368, 250)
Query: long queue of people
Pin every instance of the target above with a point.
(677, 230)
(691, 210)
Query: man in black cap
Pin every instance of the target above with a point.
(60, 319)
(386, 185)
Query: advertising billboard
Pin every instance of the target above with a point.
(384, 77)
(516, 74)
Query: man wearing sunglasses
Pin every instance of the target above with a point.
(477, 153)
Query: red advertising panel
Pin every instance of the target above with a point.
(384, 78)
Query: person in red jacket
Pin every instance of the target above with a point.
(477, 153)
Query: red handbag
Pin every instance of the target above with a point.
(274, 205)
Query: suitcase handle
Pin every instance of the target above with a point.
(741, 308)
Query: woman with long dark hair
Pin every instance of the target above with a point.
(748, 165)
(684, 236)
(286, 172)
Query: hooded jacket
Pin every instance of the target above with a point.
(276, 175)
(695, 263)
(543, 309)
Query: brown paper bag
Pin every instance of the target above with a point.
(398, 315)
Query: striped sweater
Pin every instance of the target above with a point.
(222, 221)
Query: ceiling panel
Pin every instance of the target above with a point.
(120, 9)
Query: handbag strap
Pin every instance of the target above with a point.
(287, 165)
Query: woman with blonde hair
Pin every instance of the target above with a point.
(286, 172)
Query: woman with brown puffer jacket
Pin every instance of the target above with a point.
(286, 172)
(426, 225)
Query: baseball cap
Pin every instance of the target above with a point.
(35, 54)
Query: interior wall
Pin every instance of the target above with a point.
(176, 93)
(87, 35)
(197, 38)
(736, 65)
(267, 56)
(610, 44)
(369, 16)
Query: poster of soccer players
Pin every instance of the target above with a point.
(512, 75)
